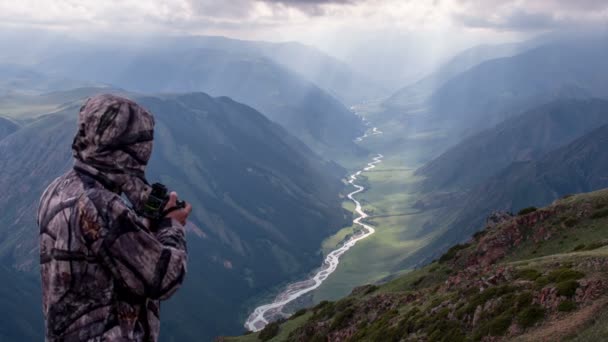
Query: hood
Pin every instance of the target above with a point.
(114, 143)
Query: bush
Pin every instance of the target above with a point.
(342, 319)
(567, 288)
(530, 316)
(526, 211)
(298, 313)
(580, 247)
(451, 253)
(570, 222)
(528, 274)
(499, 325)
(600, 214)
(542, 282)
(270, 330)
(524, 300)
(566, 306)
(563, 274)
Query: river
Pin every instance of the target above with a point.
(258, 318)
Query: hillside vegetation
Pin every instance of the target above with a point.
(539, 275)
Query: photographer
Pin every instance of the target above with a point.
(106, 264)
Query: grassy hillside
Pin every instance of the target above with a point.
(540, 275)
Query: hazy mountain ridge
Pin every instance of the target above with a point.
(577, 167)
(525, 137)
(329, 73)
(7, 127)
(264, 201)
(421, 90)
(304, 109)
(494, 90)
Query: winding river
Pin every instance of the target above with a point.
(259, 317)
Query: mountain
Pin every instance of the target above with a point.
(580, 166)
(7, 126)
(18, 79)
(494, 90)
(523, 138)
(307, 111)
(540, 276)
(332, 75)
(421, 90)
(263, 202)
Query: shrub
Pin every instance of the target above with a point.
(370, 289)
(563, 274)
(567, 288)
(451, 253)
(526, 211)
(579, 247)
(542, 282)
(566, 306)
(596, 245)
(570, 222)
(528, 274)
(499, 325)
(342, 318)
(298, 313)
(270, 330)
(600, 214)
(524, 300)
(530, 316)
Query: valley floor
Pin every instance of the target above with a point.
(389, 200)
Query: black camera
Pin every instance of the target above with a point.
(154, 208)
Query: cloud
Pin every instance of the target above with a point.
(280, 19)
(526, 16)
(311, 7)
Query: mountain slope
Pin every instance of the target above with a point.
(488, 93)
(421, 90)
(539, 276)
(525, 137)
(7, 127)
(263, 202)
(304, 109)
(332, 75)
(580, 166)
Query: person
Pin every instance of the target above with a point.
(104, 267)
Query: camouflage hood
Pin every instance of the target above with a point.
(113, 145)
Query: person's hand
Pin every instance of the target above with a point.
(181, 215)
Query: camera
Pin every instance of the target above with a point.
(154, 208)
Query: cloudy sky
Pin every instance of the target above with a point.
(345, 28)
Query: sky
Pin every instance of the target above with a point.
(420, 33)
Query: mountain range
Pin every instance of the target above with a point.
(578, 166)
(496, 89)
(294, 85)
(525, 137)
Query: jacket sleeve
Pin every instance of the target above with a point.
(147, 264)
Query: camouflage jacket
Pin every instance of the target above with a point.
(103, 270)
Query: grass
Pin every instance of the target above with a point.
(389, 200)
(283, 334)
(397, 234)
